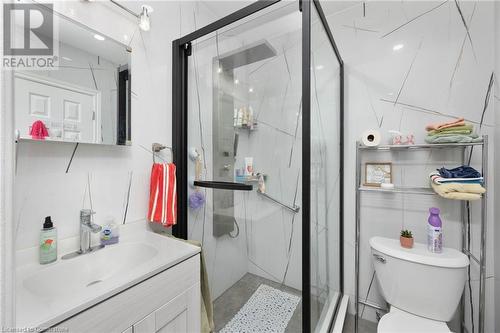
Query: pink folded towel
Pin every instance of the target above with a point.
(38, 130)
(440, 126)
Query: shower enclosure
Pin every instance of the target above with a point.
(258, 144)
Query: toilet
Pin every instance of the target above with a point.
(422, 288)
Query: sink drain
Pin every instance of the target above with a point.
(93, 282)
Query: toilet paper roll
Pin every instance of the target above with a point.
(371, 138)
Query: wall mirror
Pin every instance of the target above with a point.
(85, 98)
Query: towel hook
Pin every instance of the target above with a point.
(157, 147)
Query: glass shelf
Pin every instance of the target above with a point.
(404, 190)
(246, 127)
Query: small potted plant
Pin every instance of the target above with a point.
(406, 239)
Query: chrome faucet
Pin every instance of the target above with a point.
(86, 228)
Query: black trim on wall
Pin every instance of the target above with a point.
(123, 128)
(341, 183)
(179, 133)
(306, 165)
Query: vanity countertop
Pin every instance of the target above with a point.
(49, 294)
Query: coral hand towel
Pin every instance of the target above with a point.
(440, 126)
(162, 195)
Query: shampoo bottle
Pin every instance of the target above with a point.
(248, 166)
(48, 242)
(434, 231)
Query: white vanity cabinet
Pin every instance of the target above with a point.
(175, 316)
(169, 301)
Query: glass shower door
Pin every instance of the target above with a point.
(244, 142)
(258, 142)
(325, 172)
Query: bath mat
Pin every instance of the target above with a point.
(268, 310)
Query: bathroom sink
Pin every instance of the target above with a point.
(84, 271)
(49, 294)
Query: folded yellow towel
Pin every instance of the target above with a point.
(459, 191)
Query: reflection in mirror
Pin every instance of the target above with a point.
(85, 98)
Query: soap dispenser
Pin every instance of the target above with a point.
(48, 242)
(110, 232)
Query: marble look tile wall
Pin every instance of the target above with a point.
(113, 180)
(407, 63)
(46, 183)
(410, 63)
(496, 232)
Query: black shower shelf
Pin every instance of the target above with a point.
(223, 185)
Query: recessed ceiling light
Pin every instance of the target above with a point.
(398, 47)
(236, 81)
(99, 37)
(219, 70)
(250, 89)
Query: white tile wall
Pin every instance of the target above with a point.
(496, 232)
(421, 73)
(375, 73)
(41, 185)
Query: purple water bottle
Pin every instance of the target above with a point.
(434, 231)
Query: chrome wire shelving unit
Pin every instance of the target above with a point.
(480, 261)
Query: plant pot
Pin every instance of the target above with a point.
(406, 242)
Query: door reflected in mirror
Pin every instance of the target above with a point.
(86, 98)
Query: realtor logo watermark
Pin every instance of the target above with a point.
(29, 37)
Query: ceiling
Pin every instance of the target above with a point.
(221, 8)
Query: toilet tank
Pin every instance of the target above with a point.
(418, 281)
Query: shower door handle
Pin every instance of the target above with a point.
(223, 185)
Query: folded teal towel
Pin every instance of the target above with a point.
(453, 138)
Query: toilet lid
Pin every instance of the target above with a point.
(398, 321)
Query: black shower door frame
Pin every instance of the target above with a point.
(181, 50)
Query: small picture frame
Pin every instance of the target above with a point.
(377, 173)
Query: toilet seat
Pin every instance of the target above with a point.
(399, 321)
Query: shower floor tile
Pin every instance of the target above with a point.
(231, 301)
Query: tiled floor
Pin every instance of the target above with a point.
(365, 326)
(229, 303)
